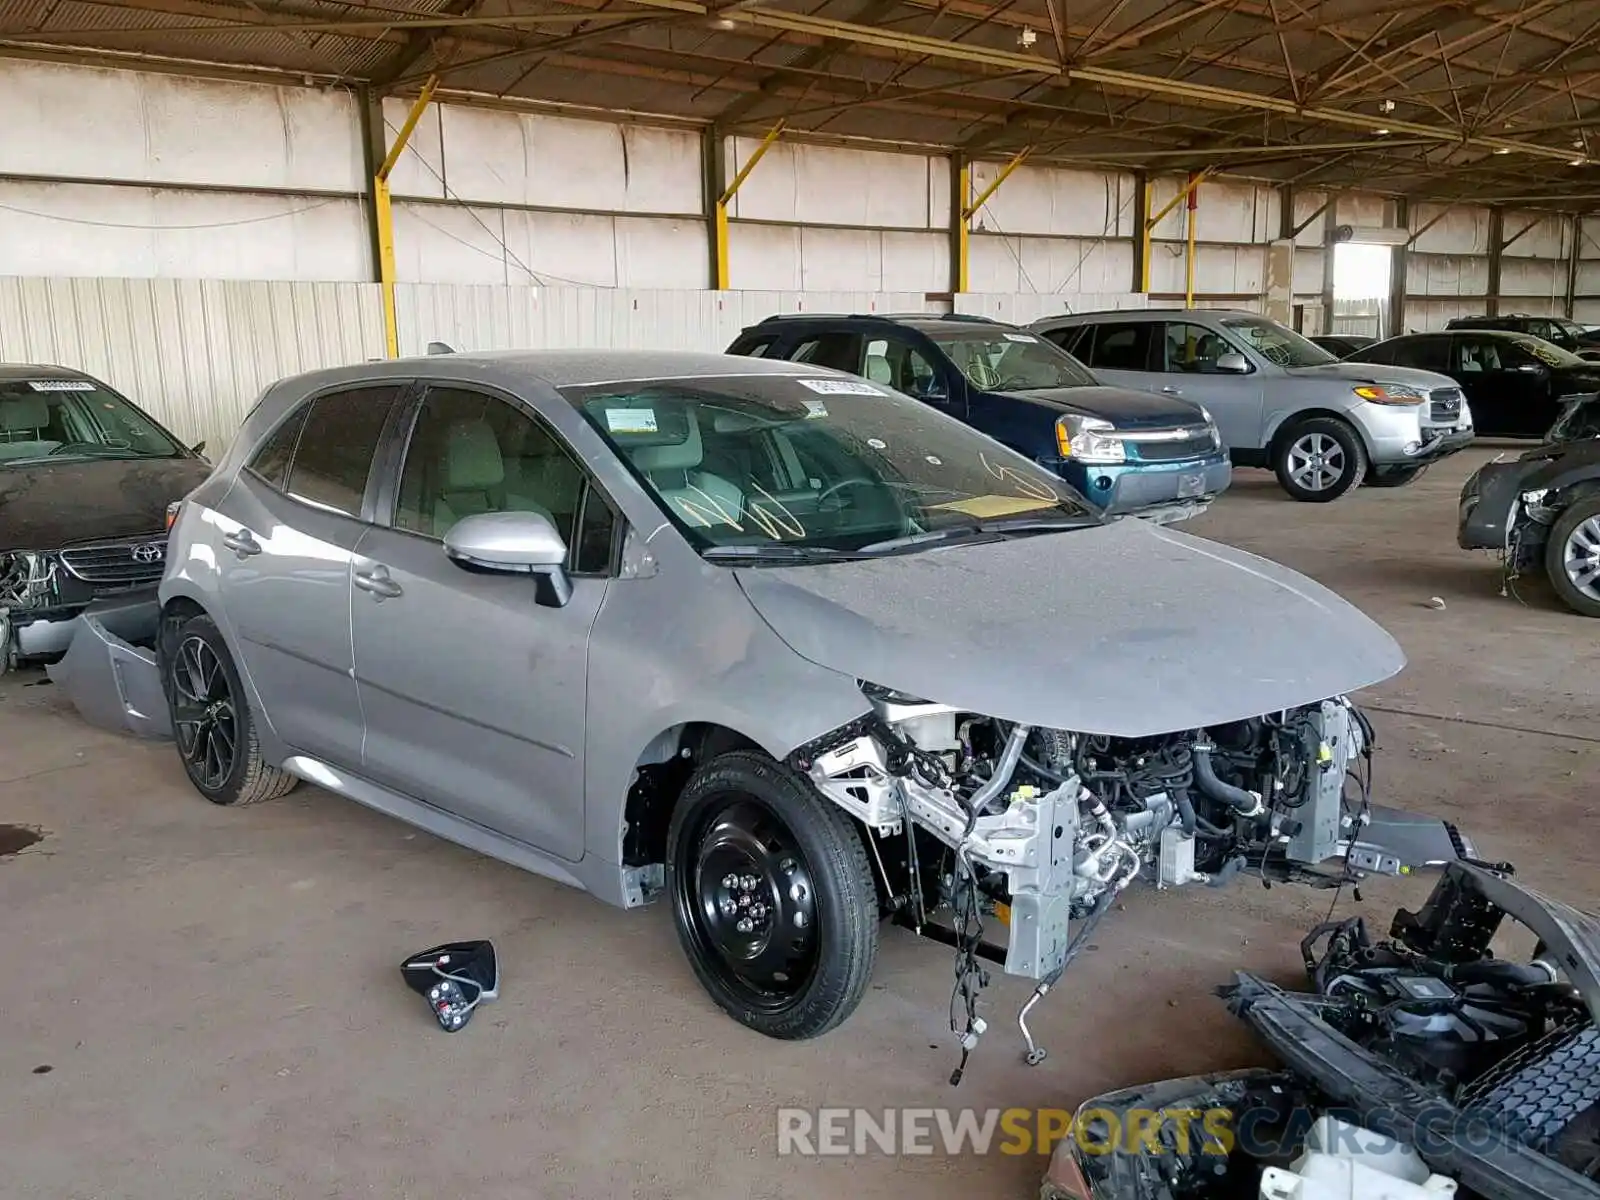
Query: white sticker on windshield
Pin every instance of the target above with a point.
(815, 408)
(840, 387)
(631, 420)
(61, 385)
(1021, 337)
(877, 443)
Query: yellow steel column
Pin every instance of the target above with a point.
(967, 208)
(384, 215)
(1188, 262)
(1150, 225)
(721, 231)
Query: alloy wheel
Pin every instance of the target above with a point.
(1316, 462)
(749, 903)
(1581, 557)
(204, 718)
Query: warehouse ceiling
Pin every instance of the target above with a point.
(1488, 101)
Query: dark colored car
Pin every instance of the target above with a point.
(1517, 385)
(1542, 511)
(85, 481)
(1127, 452)
(1342, 345)
(1558, 331)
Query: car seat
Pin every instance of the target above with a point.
(473, 475)
(878, 370)
(24, 420)
(698, 496)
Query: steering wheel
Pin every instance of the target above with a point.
(834, 489)
(982, 374)
(1278, 356)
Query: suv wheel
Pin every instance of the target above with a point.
(211, 720)
(1572, 556)
(772, 895)
(1319, 459)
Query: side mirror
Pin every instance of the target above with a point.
(1233, 363)
(513, 543)
(198, 448)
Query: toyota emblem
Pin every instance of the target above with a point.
(148, 552)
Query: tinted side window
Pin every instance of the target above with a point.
(1192, 349)
(334, 455)
(1382, 352)
(271, 460)
(841, 351)
(1123, 347)
(472, 453)
(597, 531)
(1076, 340)
(1429, 354)
(759, 347)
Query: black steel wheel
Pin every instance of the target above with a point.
(773, 896)
(211, 719)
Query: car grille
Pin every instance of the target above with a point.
(1444, 404)
(1200, 444)
(113, 566)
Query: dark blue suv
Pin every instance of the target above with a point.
(1128, 452)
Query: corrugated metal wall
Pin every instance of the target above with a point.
(195, 353)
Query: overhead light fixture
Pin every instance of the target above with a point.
(1386, 106)
(1381, 132)
(1026, 37)
(1577, 143)
(1579, 162)
(1502, 149)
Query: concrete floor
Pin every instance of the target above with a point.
(216, 994)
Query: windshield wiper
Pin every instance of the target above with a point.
(983, 531)
(776, 553)
(1048, 524)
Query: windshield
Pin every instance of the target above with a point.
(1010, 361)
(1277, 343)
(1549, 353)
(783, 464)
(68, 419)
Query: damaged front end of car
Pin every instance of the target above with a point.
(1039, 829)
(1442, 1063)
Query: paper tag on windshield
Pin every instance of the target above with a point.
(61, 385)
(1021, 337)
(815, 408)
(631, 420)
(840, 387)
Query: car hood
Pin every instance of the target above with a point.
(1346, 371)
(1123, 407)
(44, 506)
(1127, 629)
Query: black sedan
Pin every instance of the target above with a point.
(1342, 345)
(1516, 385)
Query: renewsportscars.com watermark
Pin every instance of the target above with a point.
(1260, 1131)
(826, 1132)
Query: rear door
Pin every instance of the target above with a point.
(475, 694)
(289, 527)
(1123, 354)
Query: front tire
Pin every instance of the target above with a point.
(1572, 556)
(772, 896)
(1319, 459)
(211, 720)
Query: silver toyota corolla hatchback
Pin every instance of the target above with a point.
(779, 644)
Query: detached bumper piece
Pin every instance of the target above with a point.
(109, 671)
(1419, 1065)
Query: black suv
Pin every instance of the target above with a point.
(1128, 452)
(1558, 331)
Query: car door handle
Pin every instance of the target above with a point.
(243, 543)
(1172, 391)
(378, 582)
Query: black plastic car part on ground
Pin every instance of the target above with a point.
(1489, 1069)
(1516, 385)
(85, 482)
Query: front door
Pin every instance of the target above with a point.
(288, 529)
(474, 694)
(1187, 355)
(1506, 401)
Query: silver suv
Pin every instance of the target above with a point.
(1323, 425)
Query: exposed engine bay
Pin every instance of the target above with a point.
(1481, 1064)
(1042, 828)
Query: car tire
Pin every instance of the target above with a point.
(1319, 459)
(1575, 536)
(212, 724)
(772, 895)
(1395, 476)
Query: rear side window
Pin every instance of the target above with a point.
(271, 461)
(1429, 354)
(1076, 340)
(334, 454)
(840, 351)
(1122, 347)
(759, 347)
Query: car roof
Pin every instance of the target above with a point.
(925, 322)
(1134, 314)
(1506, 334)
(11, 371)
